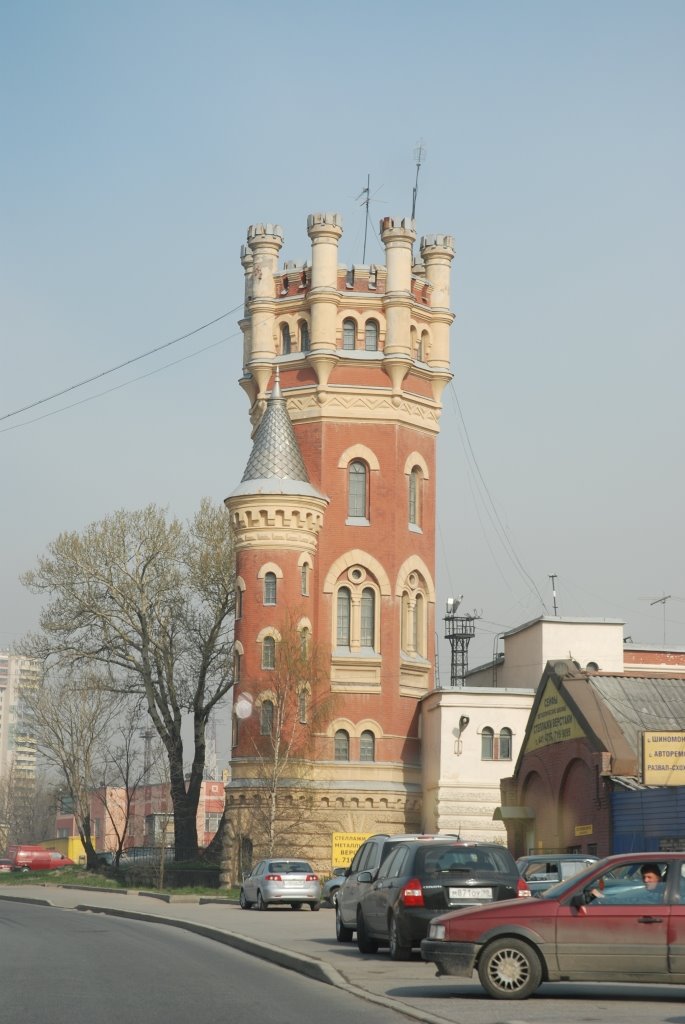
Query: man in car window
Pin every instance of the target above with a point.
(651, 891)
(653, 882)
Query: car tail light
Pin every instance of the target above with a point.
(412, 894)
(312, 878)
(272, 878)
(522, 887)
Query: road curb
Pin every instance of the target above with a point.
(308, 966)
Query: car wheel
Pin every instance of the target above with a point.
(365, 944)
(296, 906)
(261, 905)
(342, 932)
(244, 902)
(509, 969)
(315, 906)
(397, 950)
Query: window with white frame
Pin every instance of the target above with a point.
(371, 335)
(305, 343)
(270, 588)
(349, 334)
(342, 745)
(266, 719)
(269, 652)
(286, 344)
(415, 497)
(344, 608)
(496, 746)
(357, 489)
(368, 618)
(304, 579)
(367, 746)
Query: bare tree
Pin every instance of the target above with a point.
(152, 601)
(124, 769)
(27, 808)
(282, 731)
(73, 720)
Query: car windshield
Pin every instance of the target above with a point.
(558, 891)
(290, 867)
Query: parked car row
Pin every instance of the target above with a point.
(397, 884)
(460, 903)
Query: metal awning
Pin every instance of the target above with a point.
(513, 813)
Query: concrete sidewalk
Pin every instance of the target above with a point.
(302, 941)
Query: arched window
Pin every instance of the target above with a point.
(269, 652)
(420, 626)
(234, 731)
(371, 336)
(505, 744)
(414, 497)
(305, 343)
(237, 665)
(238, 603)
(343, 625)
(304, 579)
(342, 745)
(304, 641)
(285, 340)
(266, 722)
(487, 744)
(349, 338)
(302, 705)
(368, 618)
(270, 588)
(356, 490)
(367, 746)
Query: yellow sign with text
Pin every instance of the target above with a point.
(344, 846)
(663, 758)
(583, 830)
(554, 721)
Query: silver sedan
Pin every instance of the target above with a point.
(281, 880)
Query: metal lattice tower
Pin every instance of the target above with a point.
(459, 630)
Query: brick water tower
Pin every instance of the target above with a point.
(334, 519)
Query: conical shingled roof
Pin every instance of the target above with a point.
(275, 452)
(275, 465)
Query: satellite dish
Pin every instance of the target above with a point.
(243, 705)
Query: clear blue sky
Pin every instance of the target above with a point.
(141, 139)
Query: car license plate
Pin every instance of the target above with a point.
(474, 893)
(295, 883)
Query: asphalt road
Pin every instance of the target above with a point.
(306, 942)
(58, 966)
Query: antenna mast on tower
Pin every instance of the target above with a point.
(419, 156)
(366, 192)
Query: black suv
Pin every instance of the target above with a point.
(368, 858)
(420, 879)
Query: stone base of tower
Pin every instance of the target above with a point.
(465, 809)
(310, 815)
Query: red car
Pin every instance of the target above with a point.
(621, 920)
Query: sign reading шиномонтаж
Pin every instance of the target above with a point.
(663, 758)
(344, 846)
(553, 722)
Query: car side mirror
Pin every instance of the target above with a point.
(581, 899)
(365, 876)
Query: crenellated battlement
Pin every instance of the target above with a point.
(319, 312)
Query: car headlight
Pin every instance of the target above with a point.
(437, 931)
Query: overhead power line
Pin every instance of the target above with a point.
(113, 369)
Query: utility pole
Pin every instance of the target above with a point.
(553, 577)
